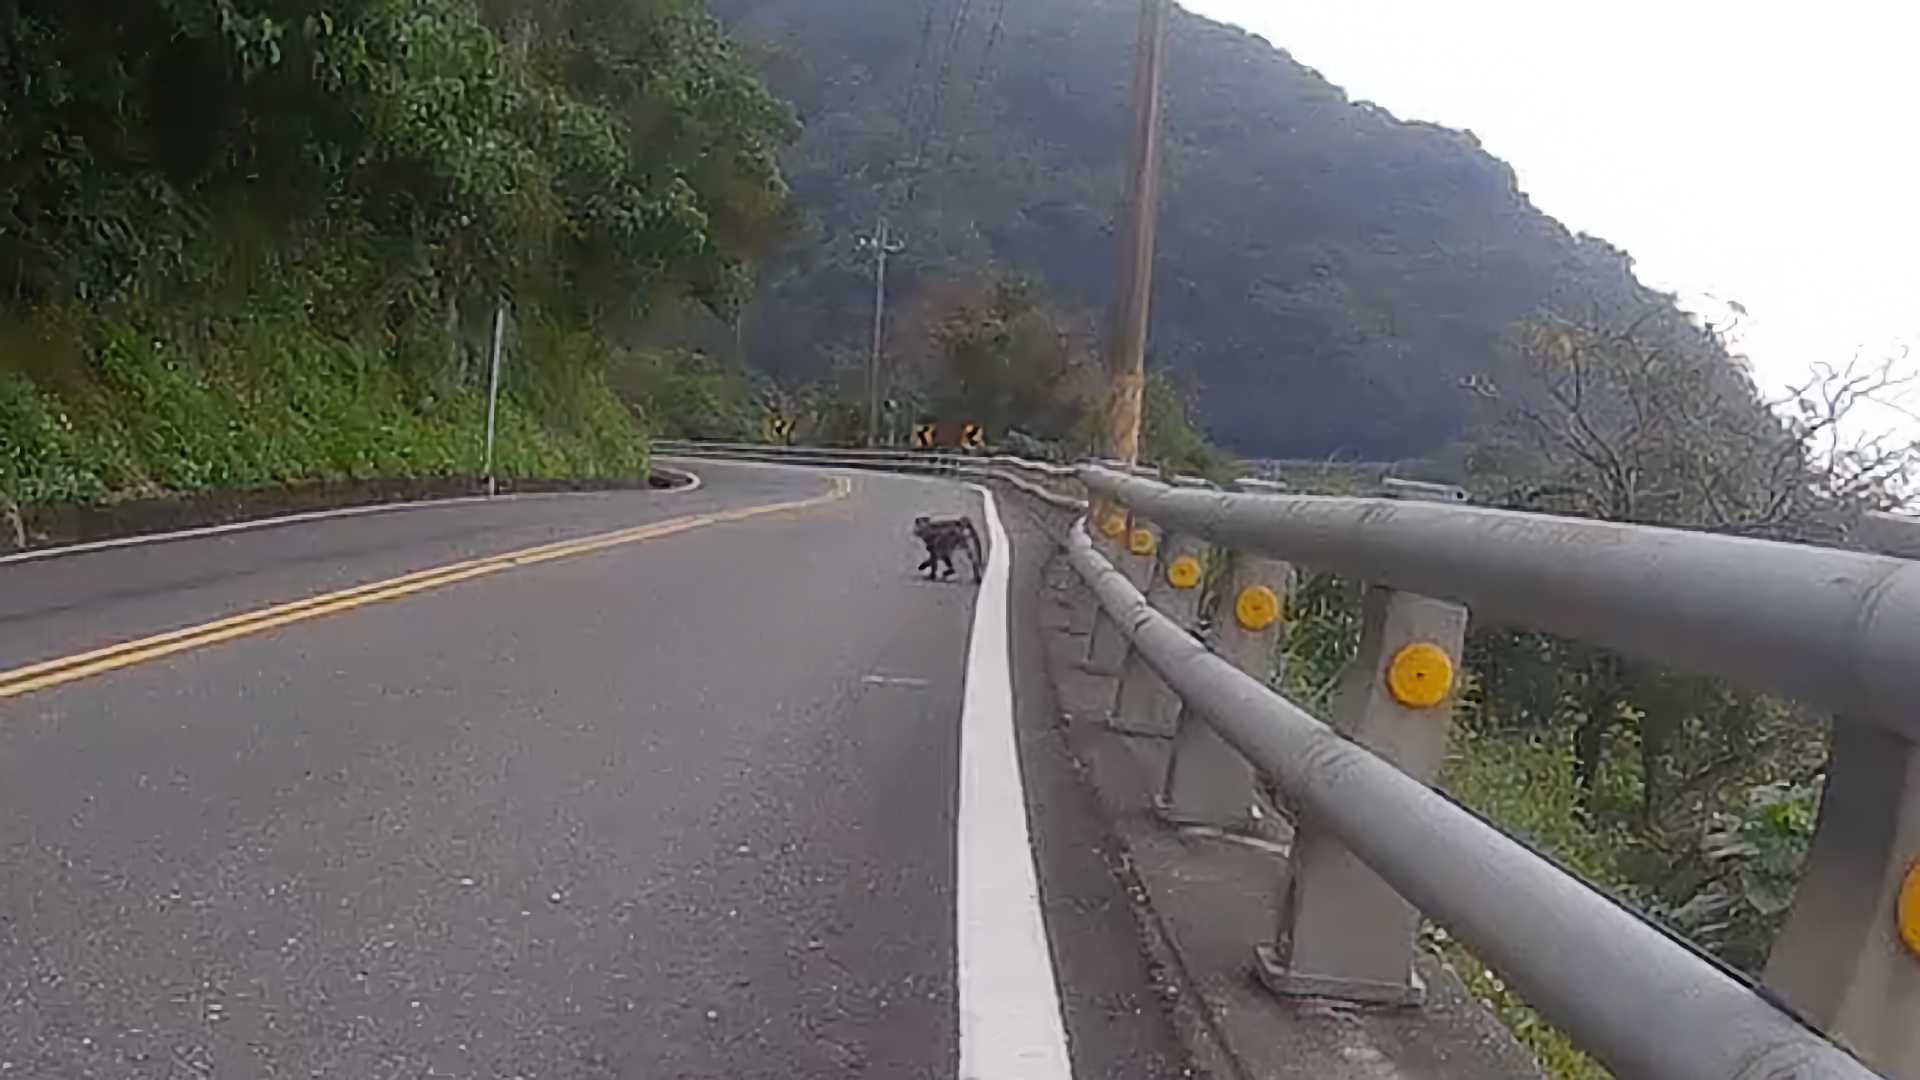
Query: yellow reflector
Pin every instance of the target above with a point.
(1421, 675)
(1257, 608)
(1184, 573)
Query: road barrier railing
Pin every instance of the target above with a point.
(1638, 1000)
(941, 464)
(1376, 847)
(1824, 626)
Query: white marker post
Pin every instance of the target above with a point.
(493, 387)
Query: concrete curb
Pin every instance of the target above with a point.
(688, 483)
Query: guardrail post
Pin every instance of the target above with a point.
(1848, 959)
(1144, 705)
(1344, 932)
(1208, 782)
(1107, 642)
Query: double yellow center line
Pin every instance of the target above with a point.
(66, 669)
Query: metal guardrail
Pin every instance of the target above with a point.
(1832, 628)
(1633, 997)
(888, 460)
(1829, 627)
(1838, 629)
(711, 449)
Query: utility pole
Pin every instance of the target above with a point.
(493, 386)
(1127, 360)
(883, 245)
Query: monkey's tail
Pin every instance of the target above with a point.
(975, 550)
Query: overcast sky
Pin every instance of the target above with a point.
(1763, 153)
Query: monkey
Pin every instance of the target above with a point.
(942, 537)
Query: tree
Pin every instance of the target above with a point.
(1170, 431)
(989, 348)
(1654, 423)
(205, 202)
(609, 155)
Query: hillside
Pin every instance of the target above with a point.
(1327, 276)
(252, 245)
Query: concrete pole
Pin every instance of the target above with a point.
(1126, 363)
(493, 386)
(883, 245)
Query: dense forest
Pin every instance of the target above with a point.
(1328, 274)
(263, 243)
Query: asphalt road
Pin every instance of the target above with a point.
(679, 807)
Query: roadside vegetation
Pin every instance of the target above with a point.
(263, 245)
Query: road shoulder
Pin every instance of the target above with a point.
(1127, 1013)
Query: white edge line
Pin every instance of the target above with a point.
(1010, 1021)
(692, 485)
(143, 539)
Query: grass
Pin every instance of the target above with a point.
(125, 408)
(1526, 784)
(1556, 1054)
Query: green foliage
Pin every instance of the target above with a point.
(684, 395)
(1525, 781)
(990, 348)
(1323, 634)
(1170, 432)
(1730, 893)
(41, 457)
(1556, 1053)
(1327, 274)
(592, 171)
(273, 402)
(254, 240)
(1750, 863)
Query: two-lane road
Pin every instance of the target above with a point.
(679, 803)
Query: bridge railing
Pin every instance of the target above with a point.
(1376, 846)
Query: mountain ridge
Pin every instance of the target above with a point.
(1328, 274)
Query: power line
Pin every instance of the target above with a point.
(914, 84)
(968, 109)
(883, 244)
(993, 39)
(955, 33)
